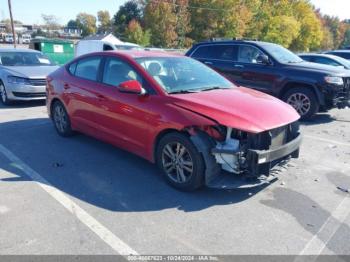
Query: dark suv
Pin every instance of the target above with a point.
(271, 68)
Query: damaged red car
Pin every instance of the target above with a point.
(176, 112)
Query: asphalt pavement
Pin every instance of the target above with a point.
(81, 196)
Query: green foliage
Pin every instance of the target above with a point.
(104, 20)
(295, 24)
(87, 23)
(134, 33)
(160, 19)
(131, 10)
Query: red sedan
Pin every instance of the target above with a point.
(174, 111)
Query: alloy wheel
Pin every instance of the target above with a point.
(177, 162)
(300, 102)
(3, 93)
(60, 118)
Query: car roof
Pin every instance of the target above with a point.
(218, 42)
(18, 50)
(144, 53)
(338, 51)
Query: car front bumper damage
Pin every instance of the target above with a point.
(249, 164)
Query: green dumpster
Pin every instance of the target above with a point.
(58, 50)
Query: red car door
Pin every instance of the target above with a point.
(80, 93)
(124, 119)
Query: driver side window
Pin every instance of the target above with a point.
(248, 54)
(117, 72)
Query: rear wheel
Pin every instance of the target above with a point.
(3, 95)
(303, 100)
(182, 164)
(61, 119)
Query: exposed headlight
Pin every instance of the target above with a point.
(335, 80)
(18, 80)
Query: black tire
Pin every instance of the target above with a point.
(61, 119)
(308, 104)
(193, 181)
(3, 95)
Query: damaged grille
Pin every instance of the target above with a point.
(273, 138)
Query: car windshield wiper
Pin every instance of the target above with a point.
(183, 91)
(211, 88)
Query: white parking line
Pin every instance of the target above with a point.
(320, 240)
(327, 140)
(104, 233)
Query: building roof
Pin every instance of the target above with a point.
(104, 37)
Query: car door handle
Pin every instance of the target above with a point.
(239, 66)
(66, 86)
(208, 63)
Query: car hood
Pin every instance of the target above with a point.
(320, 68)
(30, 71)
(240, 108)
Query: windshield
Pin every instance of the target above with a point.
(183, 74)
(24, 59)
(343, 61)
(282, 54)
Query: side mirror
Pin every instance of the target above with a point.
(132, 87)
(263, 59)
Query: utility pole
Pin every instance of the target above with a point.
(12, 25)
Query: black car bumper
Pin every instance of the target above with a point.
(261, 161)
(338, 96)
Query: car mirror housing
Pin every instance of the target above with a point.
(263, 59)
(132, 87)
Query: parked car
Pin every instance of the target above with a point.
(174, 111)
(325, 59)
(341, 53)
(23, 75)
(277, 71)
(26, 38)
(8, 38)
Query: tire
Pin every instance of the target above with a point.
(303, 100)
(61, 119)
(191, 162)
(3, 95)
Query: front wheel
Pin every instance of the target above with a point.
(303, 100)
(61, 120)
(3, 95)
(182, 164)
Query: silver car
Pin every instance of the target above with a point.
(23, 74)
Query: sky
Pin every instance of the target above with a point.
(29, 11)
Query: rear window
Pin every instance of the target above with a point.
(87, 68)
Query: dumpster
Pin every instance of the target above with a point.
(58, 50)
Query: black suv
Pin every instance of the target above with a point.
(271, 68)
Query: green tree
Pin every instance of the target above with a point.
(160, 19)
(131, 10)
(87, 23)
(72, 23)
(282, 30)
(104, 20)
(311, 34)
(183, 27)
(134, 33)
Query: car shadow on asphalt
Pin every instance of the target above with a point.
(23, 104)
(100, 174)
(319, 119)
